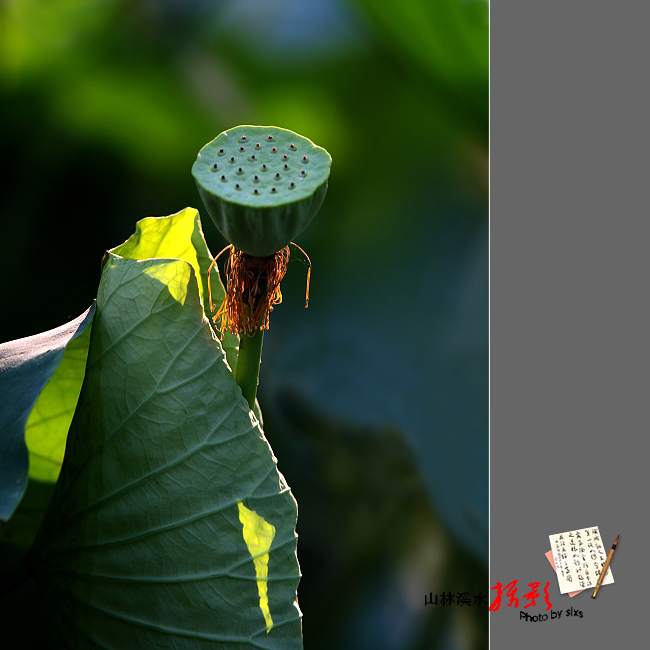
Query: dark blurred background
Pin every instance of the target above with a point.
(375, 399)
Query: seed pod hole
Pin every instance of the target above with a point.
(285, 157)
(273, 190)
(256, 191)
(240, 171)
(274, 150)
(223, 179)
(253, 158)
(243, 138)
(237, 186)
(242, 148)
(292, 186)
(256, 179)
(286, 167)
(293, 147)
(305, 159)
(264, 168)
(232, 159)
(258, 146)
(215, 167)
(222, 152)
(277, 177)
(269, 138)
(302, 174)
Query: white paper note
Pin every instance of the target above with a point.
(579, 557)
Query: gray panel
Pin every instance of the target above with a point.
(569, 303)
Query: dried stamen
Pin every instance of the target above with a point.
(252, 290)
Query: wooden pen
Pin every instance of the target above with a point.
(610, 555)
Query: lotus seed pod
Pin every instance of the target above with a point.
(261, 185)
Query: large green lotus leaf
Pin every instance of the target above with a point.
(180, 235)
(45, 434)
(170, 525)
(40, 379)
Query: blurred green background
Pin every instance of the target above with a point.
(375, 399)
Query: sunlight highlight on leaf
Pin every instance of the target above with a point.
(180, 236)
(174, 277)
(167, 237)
(47, 426)
(258, 535)
(26, 366)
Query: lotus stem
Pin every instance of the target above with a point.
(248, 365)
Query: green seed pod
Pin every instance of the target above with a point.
(261, 185)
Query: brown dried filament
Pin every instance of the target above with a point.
(252, 290)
